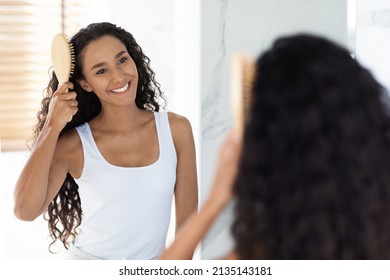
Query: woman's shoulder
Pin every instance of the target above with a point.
(181, 131)
(178, 122)
(69, 143)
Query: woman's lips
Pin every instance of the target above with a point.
(122, 89)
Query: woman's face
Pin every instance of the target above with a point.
(109, 71)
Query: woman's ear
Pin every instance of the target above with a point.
(85, 85)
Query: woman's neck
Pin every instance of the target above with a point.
(124, 118)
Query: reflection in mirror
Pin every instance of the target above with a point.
(248, 27)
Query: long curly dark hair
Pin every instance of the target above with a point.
(314, 178)
(64, 213)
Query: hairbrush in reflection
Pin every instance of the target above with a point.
(242, 74)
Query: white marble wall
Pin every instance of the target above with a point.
(373, 38)
(247, 26)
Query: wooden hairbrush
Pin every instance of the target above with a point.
(62, 58)
(242, 75)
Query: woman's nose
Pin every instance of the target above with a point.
(117, 76)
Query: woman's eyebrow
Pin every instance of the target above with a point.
(103, 63)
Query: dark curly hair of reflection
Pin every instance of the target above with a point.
(64, 213)
(314, 178)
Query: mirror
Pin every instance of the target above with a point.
(190, 45)
(249, 27)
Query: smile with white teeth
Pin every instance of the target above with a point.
(122, 89)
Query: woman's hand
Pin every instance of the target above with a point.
(63, 106)
(229, 156)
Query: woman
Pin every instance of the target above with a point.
(107, 177)
(311, 179)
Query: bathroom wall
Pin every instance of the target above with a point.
(248, 26)
(373, 37)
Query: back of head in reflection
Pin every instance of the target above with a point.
(314, 176)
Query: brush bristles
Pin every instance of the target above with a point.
(72, 58)
(241, 95)
(248, 75)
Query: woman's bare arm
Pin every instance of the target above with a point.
(198, 224)
(46, 168)
(186, 187)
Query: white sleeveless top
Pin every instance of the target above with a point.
(126, 210)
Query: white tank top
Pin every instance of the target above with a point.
(126, 210)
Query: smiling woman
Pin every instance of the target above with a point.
(114, 75)
(107, 178)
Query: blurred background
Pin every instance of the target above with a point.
(190, 44)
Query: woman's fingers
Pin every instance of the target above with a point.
(227, 167)
(67, 96)
(63, 106)
(63, 88)
(72, 103)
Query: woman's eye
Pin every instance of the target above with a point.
(122, 60)
(101, 71)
